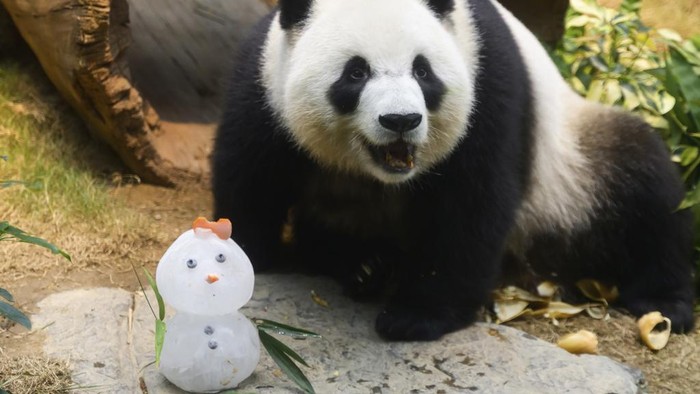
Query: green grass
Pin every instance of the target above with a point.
(46, 145)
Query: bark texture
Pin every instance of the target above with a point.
(157, 103)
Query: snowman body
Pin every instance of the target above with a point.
(209, 345)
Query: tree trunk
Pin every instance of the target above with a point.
(156, 104)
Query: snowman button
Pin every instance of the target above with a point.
(208, 330)
(212, 344)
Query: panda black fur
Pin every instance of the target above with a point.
(424, 143)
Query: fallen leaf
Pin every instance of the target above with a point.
(654, 330)
(581, 342)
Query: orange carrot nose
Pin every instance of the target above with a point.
(211, 278)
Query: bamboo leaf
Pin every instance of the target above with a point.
(277, 350)
(285, 349)
(160, 338)
(159, 299)
(6, 295)
(283, 329)
(22, 236)
(14, 315)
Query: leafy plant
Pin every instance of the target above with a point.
(280, 353)
(609, 55)
(12, 233)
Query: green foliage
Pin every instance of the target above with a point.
(609, 55)
(160, 320)
(281, 354)
(9, 232)
(12, 233)
(11, 312)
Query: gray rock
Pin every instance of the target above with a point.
(93, 326)
(90, 330)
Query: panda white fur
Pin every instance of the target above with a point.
(423, 145)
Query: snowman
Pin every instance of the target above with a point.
(205, 277)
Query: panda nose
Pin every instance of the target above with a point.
(400, 123)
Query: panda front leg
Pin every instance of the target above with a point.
(449, 275)
(254, 184)
(358, 263)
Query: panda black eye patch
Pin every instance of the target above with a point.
(433, 88)
(345, 92)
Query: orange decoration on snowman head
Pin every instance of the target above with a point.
(222, 227)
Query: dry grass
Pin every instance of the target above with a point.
(673, 369)
(31, 375)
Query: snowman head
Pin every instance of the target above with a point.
(204, 272)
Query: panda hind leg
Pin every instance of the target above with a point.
(637, 239)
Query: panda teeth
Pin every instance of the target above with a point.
(399, 162)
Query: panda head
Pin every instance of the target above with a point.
(382, 88)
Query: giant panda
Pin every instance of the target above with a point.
(419, 145)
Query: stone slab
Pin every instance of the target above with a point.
(95, 327)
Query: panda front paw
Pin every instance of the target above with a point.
(368, 281)
(416, 323)
(680, 312)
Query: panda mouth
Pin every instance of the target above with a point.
(397, 157)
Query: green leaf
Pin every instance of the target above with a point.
(666, 102)
(689, 154)
(283, 329)
(688, 82)
(586, 7)
(22, 236)
(160, 338)
(692, 198)
(613, 92)
(286, 350)
(578, 21)
(670, 35)
(6, 295)
(15, 315)
(159, 299)
(599, 63)
(278, 351)
(631, 100)
(595, 91)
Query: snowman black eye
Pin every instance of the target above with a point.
(191, 263)
(208, 330)
(220, 258)
(213, 345)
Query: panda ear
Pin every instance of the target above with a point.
(441, 7)
(293, 12)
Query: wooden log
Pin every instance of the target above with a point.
(156, 104)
